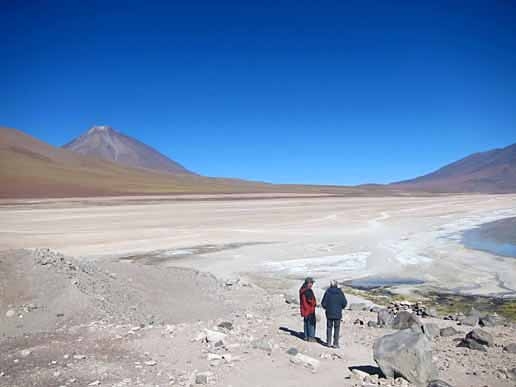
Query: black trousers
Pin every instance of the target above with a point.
(332, 325)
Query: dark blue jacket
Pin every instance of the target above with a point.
(333, 302)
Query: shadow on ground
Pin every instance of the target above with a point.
(300, 335)
(368, 369)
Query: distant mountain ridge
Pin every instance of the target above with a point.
(30, 168)
(492, 171)
(106, 143)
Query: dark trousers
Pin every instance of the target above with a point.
(332, 325)
(309, 327)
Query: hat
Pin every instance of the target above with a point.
(308, 280)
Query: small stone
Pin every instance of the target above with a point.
(305, 360)
(25, 352)
(226, 325)
(214, 356)
(79, 357)
(358, 307)
(438, 383)
(292, 351)
(214, 336)
(150, 363)
(10, 313)
(448, 331)
(202, 378)
(511, 348)
(263, 344)
(95, 383)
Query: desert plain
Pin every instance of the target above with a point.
(126, 291)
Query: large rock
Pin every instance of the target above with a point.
(384, 318)
(490, 320)
(431, 330)
(406, 320)
(407, 353)
(481, 337)
(469, 321)
(477, 339)
(472, 318)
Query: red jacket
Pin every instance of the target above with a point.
(307, 302)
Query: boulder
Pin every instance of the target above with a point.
(431, 330)
(469, 321)
(449, 331)
(430, 312)
(438, 383)
(477, 339)
(384, 318)
(406, 353)
(490, 320)
(481, 337)
(406, 320)
(511, 348)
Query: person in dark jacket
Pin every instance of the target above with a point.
(307, 304)
(333, 302)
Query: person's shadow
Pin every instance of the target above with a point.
(299, 335)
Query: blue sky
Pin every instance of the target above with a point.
(333, 92)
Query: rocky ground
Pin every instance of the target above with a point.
(124, 323)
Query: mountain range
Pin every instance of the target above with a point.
(30, 168)
(492, 171)
(104, 161)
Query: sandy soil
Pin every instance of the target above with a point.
(119, 323)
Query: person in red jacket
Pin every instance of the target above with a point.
(307, 304)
